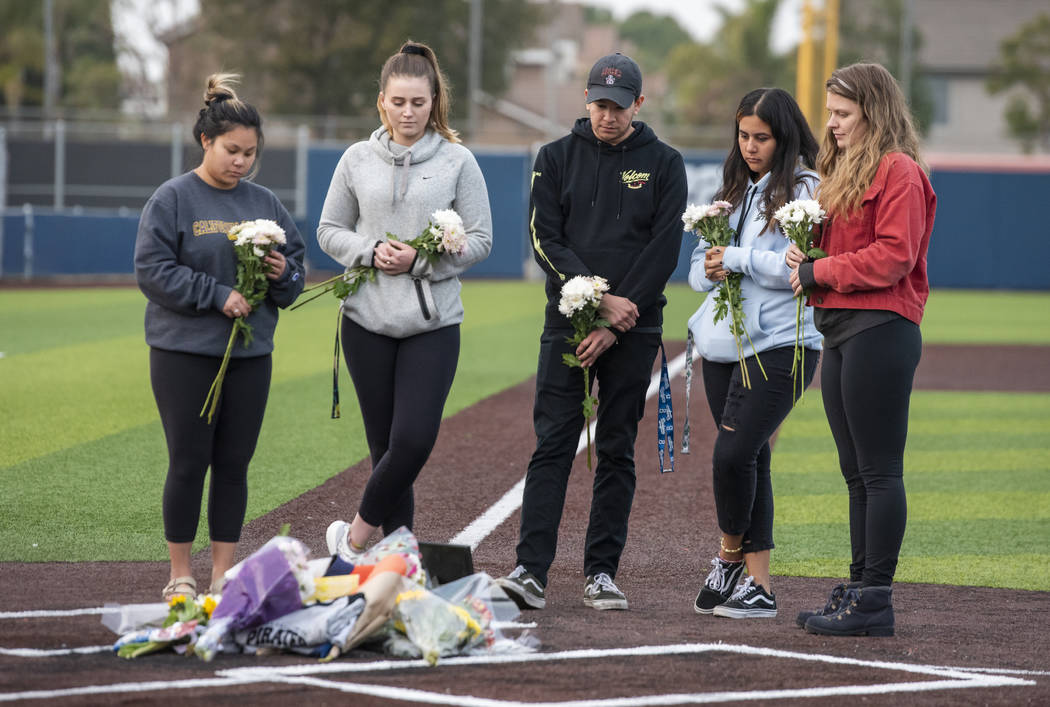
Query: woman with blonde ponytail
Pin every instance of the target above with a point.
(400, 332)
(186, 266)
(868, 297)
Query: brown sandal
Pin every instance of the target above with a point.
(186, 586)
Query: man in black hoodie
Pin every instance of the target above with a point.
(607, 200)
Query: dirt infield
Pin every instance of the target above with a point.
(481, 454)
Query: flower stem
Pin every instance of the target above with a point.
(587, 418)
(212, 401)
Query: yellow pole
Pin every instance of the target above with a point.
(804, 76)
(831, 37)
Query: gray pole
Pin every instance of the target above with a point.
(27, 243)
(51, 68)
(176, 149)
(906, 49)
(60, 164)
(474, 75)
(302, 153)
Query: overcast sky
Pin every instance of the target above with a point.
(700, 18)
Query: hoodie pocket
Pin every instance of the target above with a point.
(425, 298)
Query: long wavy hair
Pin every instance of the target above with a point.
(847, 173)
(795, 145)
(418, 60)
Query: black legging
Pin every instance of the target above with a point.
(746, 419)
(401, 386)
(180, 384)
(866, 384)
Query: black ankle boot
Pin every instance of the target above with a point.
(867, 611)
(832, 605)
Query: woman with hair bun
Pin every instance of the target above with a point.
(400, 332)
(186, 266)
(868, 297)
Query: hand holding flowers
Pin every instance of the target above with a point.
(444, 233)
(253, 242)
(580, 298)
(711, 223)
(797, 219)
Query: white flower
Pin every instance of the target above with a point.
(692, 216)
(800, 212)
(449, 231)
(580, 292)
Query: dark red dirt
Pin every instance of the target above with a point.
(481, 453)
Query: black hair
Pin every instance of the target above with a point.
(223, 111)
(795, 146)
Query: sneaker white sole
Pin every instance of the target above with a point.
(732, 613)
(523, 599)
(606, 604)
(333, 534)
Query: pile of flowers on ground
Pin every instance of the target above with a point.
(278, 599)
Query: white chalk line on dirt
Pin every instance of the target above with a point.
(493, 517)
(950, 678)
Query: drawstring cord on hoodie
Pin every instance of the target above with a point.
(597, 171)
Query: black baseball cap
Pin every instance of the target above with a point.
(616, 77)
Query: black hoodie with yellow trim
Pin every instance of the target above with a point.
(608, 210)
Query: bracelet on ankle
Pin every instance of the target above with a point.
(729, 550)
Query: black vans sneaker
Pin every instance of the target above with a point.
(749, 601)
(600, 592)
(523, 588)
(719, 584)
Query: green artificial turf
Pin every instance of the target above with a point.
(977, 472)
(82, 455)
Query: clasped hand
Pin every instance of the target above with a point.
(393, 257)
(713, 269)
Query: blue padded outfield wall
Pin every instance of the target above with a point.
(990, 231)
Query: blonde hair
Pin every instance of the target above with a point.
(847, 173)
(418, 60)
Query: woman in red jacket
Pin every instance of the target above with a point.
(868, 297)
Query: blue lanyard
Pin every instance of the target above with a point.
(665, 417)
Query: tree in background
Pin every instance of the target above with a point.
(1024, 63)
(708, 79)
(654, 36)
(323, 57)
(83, 34)
(871, 31)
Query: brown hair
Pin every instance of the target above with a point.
(847, 173)
(418, 60)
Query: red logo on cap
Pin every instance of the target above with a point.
(611, 73)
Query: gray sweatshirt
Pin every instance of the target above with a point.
(186, 266)
(380, 187)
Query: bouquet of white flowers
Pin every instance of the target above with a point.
(580, 297)
(252, 241)
(711, 223)
(797, 219)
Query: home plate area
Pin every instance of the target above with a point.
(768, 674)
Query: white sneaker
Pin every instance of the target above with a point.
(338, 539)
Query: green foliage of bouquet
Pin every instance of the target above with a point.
(797, 219)
(580, 297)
(252, 241)
(711, 223)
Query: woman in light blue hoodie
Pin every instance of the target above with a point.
(400, 332)
(769, 165)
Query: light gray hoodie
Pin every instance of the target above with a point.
(381, 187)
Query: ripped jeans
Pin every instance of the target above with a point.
(740, 465)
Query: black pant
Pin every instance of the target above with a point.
(180, 384)
(622, 373)
(866, 385)
(401, 386)
(746, 419)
